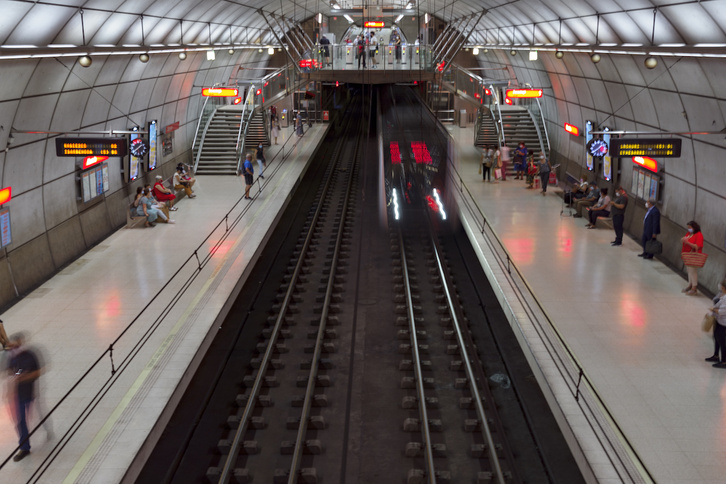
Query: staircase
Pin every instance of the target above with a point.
(487, 133)
(257, 133)
(219, 146)
(518, 126)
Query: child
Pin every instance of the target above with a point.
(531, 171)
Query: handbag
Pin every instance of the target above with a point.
(694, 259)
(654, 246)
(708, 321)
(497, 173)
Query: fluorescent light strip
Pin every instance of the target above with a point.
(62, 46)
(671, 45)
(612, 44)
(632, 45)
(21, 46)
(710, 45)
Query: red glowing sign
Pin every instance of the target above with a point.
(219, 92)
(309, 63)
(647, 163)
(89, 161)
(259, 91)
(237, 100)
(440, 66)
(573, 130)
(375, 25)
(487, 91)
(5, 195)
(395, 153)
(432, 203)
(526, 93)
(421, 152)
(508, 101)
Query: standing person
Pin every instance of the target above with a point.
(273, 116)
(276, 132)
(618, 214)
(692, 242)
(372, 47)
(717, 348)
(248, 170)
(719, 330)
(398, 49)
(544, 172)
(326, 50)
(486, 163)
(520, 159)
(299, 125)
(600, 209)
(261, 162)
(651, 226)
(361, 49)
(24, 368)
(503, 160)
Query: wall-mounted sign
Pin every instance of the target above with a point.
(5, 195)
(94, 182)
(68, 147)
(573, 130)
(5, 235)
(507, 101)
(153, 153)
(167, 144)
(658, 147)
(89, 161)
(647, 163)
(220, 92)
(607, 160)
(588, 137)
(134, 161)
(374, 25)
(237, 100)
(171, 127)
(524, 93)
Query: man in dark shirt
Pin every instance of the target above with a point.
(24, 368)
(617, 212)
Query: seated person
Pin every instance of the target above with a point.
(146, 208)
(185, 174)
(593, 194)
(578, 192)
(139, 194)
(162, 193)
(157, 204)
(180, 183)
(600, 209)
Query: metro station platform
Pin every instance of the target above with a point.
(154, 293)
(634, 333)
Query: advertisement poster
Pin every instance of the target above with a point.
(168, 144)
(653, 188)
(99, 181)
(104, 168)
(634, 185)
(641, 184)
(5, 236)
(85, 186)
(607, 161)
(152, 146)
(588, 137)
(92, 183)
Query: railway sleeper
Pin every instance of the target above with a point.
(418, 476)
(326, 348)
(249, 447)
(337, 288)
(319, 400)
(279, 347)
(405, 334)
(323, 364)
(272, 320)
(322, 381)
(414, 449)
(255, 422)
(296, 298)
(335, 298)
(275, 363)
(405, 348)
(332, 309)
(315, 422)
(308, 475)
(239, 476)
(414, 425)
(310, 447)
(407, 365)
(409, 382)
(328, 333)
(302, 279)
(411, 402)
(269, 381)
(331, 321)
(284, 333)
(262, 400)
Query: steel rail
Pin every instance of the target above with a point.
(426, 433)
(310, 391)
(481, 414)
(228, 467)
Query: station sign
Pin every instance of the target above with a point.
(90, 161)
(72, 147)
(5, 195)
(220, 92)
(572, 129)
(524, 93)
(171, 127)
(374, 24)
(658, 147)
(646, 162)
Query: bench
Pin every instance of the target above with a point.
(132, 218)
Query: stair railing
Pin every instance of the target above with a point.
(247, 112)
(201, 141)
(497, 115)
(544, 124)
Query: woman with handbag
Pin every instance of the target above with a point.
(692, 255)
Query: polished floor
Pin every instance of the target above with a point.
(637, 336)
(164, 286)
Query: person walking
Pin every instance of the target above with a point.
(544, 172)
(719, 331)
(651, 226)
(275, 132)
(503, 158)
(372, 48)
(248, 171)
(24, 368)
(717, 348)
(299, 125)
(692, 242)
(261, 162)
(617, 212)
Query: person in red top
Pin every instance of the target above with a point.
(692, 242)
(163, 194)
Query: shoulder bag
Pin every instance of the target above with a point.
(694, 259)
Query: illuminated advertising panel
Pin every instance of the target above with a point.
(153, 153)
(395, 153)
(374, 25)
(5, 195)
(524, 93)
(588, 138)
(134, 162)
(90, 161)
(5, 234)
(607, 160)
(220, 92)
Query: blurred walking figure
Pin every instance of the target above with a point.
(4, 340)
(24, 368)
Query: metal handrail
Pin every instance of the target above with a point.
(196, 131)
(544, 125)
(582, 377)
(244, 122)
(539, 133)
(204, 135)
(498, 119)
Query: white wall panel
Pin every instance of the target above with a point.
(670, 111)
(122, 98)
(688, 77)
(711, 172)
(619, 100)
(703, 114)
(14, 79)
(23, 168)
(48, 76)
(27, 216)
(69, 111)
(81, 77)
(98, 107)
(600, 97)
(34, 114)
(584, 96)
(39, 26)
(56, 167)
(59, 200)
(111, 68)
(142, 95)
(642, 104)
(160, 91)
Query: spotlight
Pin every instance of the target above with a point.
(85, 61)
(144, 58)
(231, 51)
(595, 58)
(485, 50)
(513, 52)
(559, 54)
(475, 51)
(651, 62)
(182, 55)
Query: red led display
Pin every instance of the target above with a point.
(421, 152)
(487, 91)
(89, 161)
(647, 163)
(372, 24)
(5, 195)
(573, 130)
(508, 101)
(219, 92)
(527, 93)
(237, 100)
(395, 153)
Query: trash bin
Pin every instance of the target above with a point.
(462, 118)
(284, 121)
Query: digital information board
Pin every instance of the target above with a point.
(72, 147)
(657, 148)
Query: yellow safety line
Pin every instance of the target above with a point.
(104, 431)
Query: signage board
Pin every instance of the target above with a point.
(607, 160)
(589, 159)
(326, 115)
(94, 182)
(72, 147)
(5, 195)
(5, 234)
(90, 161)
(647, 163)
(153, 153)
(524, 93)
(572, 129)
(220, 92)
(171, 127)
(374, 24)
(653, 147)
